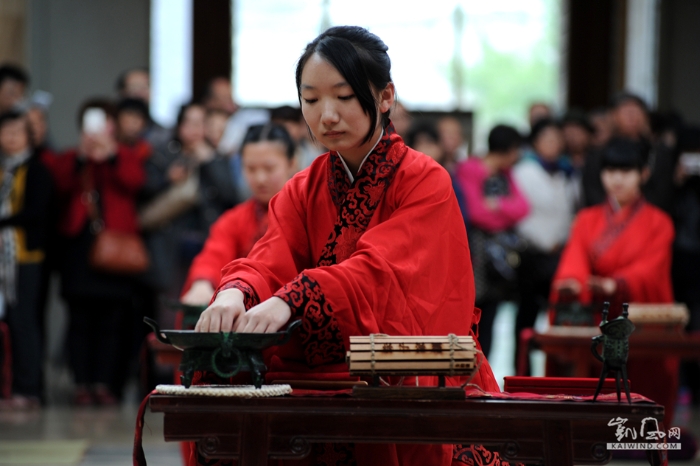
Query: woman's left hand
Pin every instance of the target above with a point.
(266, 317)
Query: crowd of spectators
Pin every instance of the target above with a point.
(128, 174)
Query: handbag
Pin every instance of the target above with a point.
(496, 259)
(503, 250)
(112, 251)
(169, 204)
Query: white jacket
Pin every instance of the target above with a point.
(552, 200)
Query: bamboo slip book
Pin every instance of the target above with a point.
(382, 355)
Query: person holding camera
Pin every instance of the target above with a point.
(97, 183)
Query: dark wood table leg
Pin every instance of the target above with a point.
(255, 440)
(558, 444)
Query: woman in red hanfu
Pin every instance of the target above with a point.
(267, 157)
(620, 251)
(368, 239)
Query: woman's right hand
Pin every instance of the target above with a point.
(223, 313)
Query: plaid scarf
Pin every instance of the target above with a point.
(8, 243)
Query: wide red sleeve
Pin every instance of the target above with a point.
(575, 261)
(219, 249)
(648, 278)
(406, 277)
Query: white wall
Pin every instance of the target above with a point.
(78, 48)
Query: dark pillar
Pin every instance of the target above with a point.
(211, 42)
(591, 47)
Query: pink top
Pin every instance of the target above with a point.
(471, 175)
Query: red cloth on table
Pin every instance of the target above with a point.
(231, 237)
(633, 246)
(387, 253)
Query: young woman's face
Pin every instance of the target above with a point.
(549, 143)
(624, 185)
(191, 131)
(266, 168)
(13, 137)
(333, 112)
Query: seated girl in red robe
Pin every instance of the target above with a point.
(368, 239)
(267, 154)
(620, 251)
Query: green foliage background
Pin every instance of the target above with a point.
(502, 85)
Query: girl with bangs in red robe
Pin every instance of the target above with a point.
(368, 239)
(620, 252)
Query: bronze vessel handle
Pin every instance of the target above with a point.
(597, 340)
(156, 330)
(288, 333)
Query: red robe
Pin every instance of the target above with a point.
(633, 246)
(385, 254)
(231, 237)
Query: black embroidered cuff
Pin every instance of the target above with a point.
(321, 337)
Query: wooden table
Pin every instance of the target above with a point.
(252, 430)
(572, 345)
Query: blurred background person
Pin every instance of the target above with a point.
(603, 126)
(538, 111)
(293, 121)
(218, 95)
(132, 121)
(39, 126)
(592, 187)
(267, 154)
(620, 252)
(214, 126)
(188, 186)
(97, 183)
(135, 83)
(13, 86)
(26, 190)
(578, 133)
(631, 118)
(686, 247)
(402, 119)
(424, 137)
(547, 182)
(495, 206)
(452, 142)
